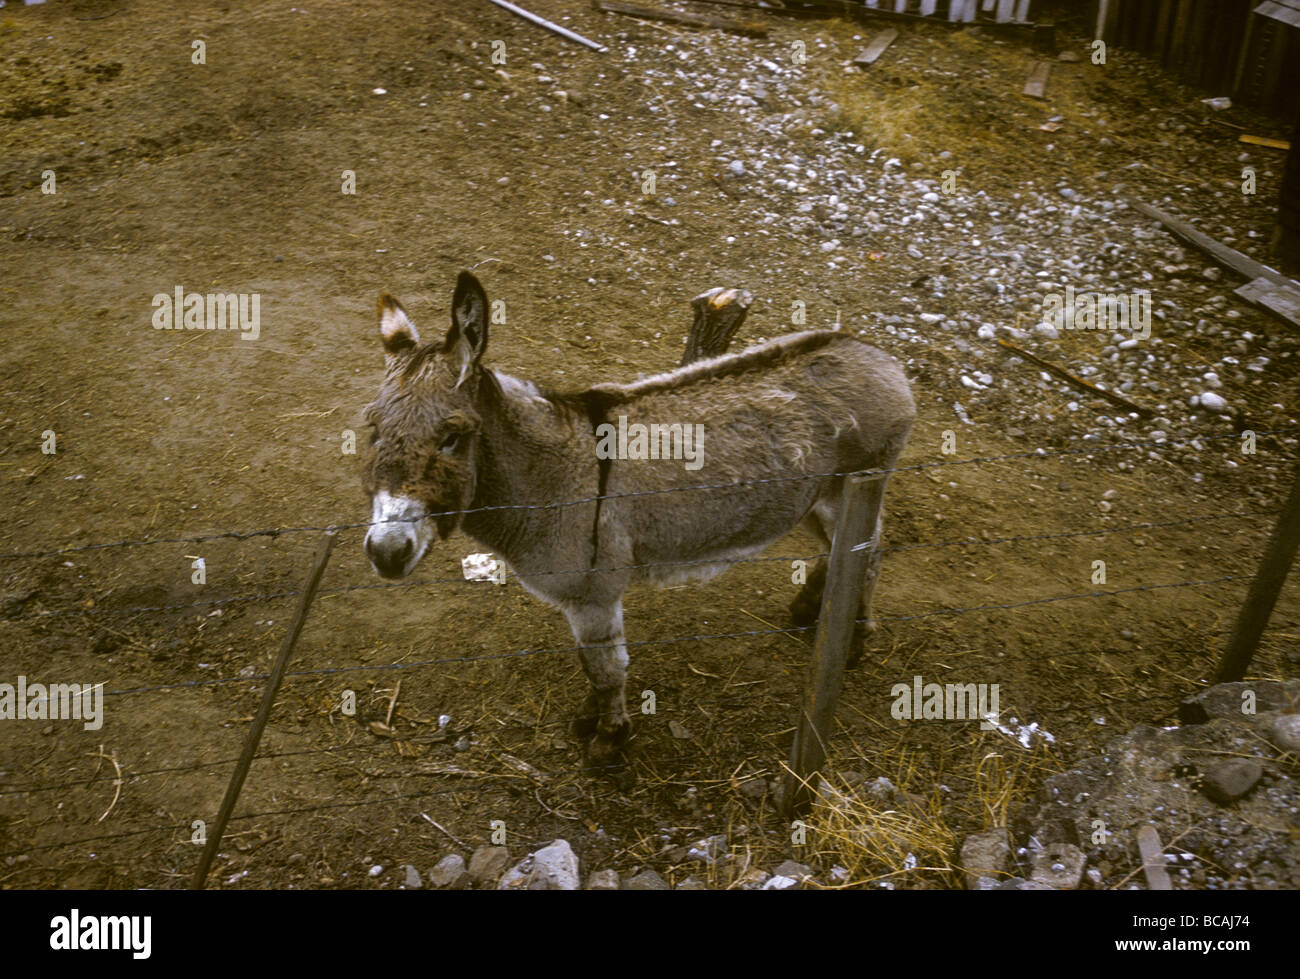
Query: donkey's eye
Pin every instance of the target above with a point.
(450, 444)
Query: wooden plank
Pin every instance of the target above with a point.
(1276, 144)
(1153, 859)
(875, 48)
(955, 7)
(1022, 11)
(750, 28)
(851, 549)
(1229, 258)
(1036, 85)
(1280, 300)
(928, 7)
(1079, 382)
(1004, 11)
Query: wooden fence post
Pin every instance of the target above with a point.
(1264, 589)
(859, 512)
(264, 712)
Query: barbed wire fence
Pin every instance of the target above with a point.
(1251, 622)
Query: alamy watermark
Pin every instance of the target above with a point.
(1109, 312)
(655, 441)
(946, 702)
(211, 311)
(25, 701)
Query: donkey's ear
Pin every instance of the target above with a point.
(396, 330)
(467, 338)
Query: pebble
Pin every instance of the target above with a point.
(1229, 780)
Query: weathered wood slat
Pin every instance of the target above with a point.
(750, 28)
(1280, 300)
(875, 48)
(1153, 859)
(1036, 85)
(1227, 257)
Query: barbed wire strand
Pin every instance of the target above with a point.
(1039, 453)
(340, 589)
(637, 643)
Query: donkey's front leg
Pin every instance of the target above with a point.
(604, 719)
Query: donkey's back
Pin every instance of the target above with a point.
(775, 420)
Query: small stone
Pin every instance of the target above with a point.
(449, 872)
(603, 880)
(488, 863)
(779, 883)
(985, 854)
(376, 870)
(1212, 402)
(647, 880)
(1213, 273)
(1069, 57)
(1058, 866)
(737, 168)
(1230, 780)
(708, 850)
(1286, 732)
(792, 868)
(691, 884)
(413, 880)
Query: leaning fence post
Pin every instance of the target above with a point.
(1264, 589)
(264, 712)
(859, 511)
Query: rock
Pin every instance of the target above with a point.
(449, 872)
(777, 882)
(1070, 57)
(1212, 402)
(1058, 866)
(708, 850)
(603, 880)
(792, 868)
(753, 880)
(1020, 884)
(413, 879)
(552, 868)
(647, 880)
(1229, 780)
(986, 884)
(1286, 732)
(1237, 699)
(691, 884)
(985, 854)
(737, 168)
(488, 863)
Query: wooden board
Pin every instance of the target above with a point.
(1228, 257)
(1280, 300)
(689, 20)
(1036, 86)
(1153, 859)
(875, 48)
(1275, 144)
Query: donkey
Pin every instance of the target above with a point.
(455, 444)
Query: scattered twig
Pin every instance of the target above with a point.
(459, 842)
(388, 719)
(1079, 382)
(117, 793)
(543, 22)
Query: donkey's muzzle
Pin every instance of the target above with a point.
(390, 556)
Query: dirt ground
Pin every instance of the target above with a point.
(227, 177)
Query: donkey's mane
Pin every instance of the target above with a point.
(594, 400)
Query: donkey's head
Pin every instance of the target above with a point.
(424, 430)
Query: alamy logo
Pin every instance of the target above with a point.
(1099, 311)
(657, 441)
(951, 702)
(55, 702)
(102, 931)
(212, 311)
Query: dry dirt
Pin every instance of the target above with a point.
(227, 177)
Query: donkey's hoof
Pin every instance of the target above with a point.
(605, 755)
(805, 609)
(584, 727)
